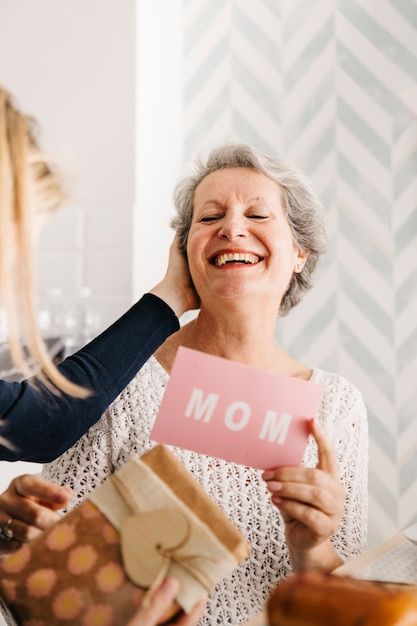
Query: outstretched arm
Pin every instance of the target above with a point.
(38, 425)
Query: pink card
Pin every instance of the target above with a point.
(235, 412)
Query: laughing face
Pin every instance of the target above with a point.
(240, 243)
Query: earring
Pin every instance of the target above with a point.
(299, 267)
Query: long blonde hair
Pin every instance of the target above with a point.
(28, 187)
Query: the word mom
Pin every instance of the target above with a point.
(236, 417)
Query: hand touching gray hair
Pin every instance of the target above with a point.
(304, 210)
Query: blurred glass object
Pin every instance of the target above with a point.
(72, 318)
(81, 321)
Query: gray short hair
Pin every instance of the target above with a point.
(304, 210)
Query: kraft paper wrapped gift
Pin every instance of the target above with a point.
(95, 565)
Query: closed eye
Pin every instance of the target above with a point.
(210, 218)
(258, 217)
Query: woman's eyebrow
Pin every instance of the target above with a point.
(216, 203)
(220, 204)
(266, 202)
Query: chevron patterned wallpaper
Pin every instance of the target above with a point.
(331, 85)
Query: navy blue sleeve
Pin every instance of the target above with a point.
(41, 425)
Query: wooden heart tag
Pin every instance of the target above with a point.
(147, 539)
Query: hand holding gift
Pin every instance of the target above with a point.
(154, 611)
(106, 558)
(27, 507)
(32, 502)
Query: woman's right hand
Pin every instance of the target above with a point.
(27, 507)
(160, 602)
(176, 288)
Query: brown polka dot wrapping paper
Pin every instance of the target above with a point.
(94, 567)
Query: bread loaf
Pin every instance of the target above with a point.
(315, 599)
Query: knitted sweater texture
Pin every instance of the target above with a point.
(239, 491)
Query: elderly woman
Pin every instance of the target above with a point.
(252, 232)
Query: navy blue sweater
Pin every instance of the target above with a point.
(42, 425)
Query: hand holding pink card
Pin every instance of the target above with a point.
(235, 412)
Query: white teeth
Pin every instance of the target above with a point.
(231, 257)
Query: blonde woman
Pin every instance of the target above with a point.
(35, 423)
(38, 422)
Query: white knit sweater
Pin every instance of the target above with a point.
(124, 429)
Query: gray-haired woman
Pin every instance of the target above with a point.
(252, 231)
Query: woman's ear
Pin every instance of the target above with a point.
(300, 260)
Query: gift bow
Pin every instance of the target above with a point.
(160, 534)
(151, 541)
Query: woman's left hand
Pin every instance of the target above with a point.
(311, 500)
(27, 507)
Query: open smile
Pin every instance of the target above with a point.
(236, 258)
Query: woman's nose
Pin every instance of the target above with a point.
(232, 228)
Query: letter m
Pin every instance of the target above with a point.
(201, 408)
(275, 427)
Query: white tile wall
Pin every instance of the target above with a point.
(108, 227)
(89, 246)
(62, 230)
(73, 68)
(59, 268)
(108, 271)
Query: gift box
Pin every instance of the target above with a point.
(95, 566)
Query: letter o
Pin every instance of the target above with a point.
(229, 418)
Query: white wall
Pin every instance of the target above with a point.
(159, 134)
(72, 66)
